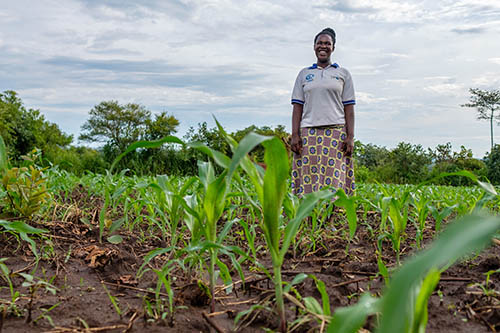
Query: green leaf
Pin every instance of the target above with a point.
(146, 144)
(225, 231)
(249, 142)
(230, 251)
(324, 296)
(103, 212)
(382, 268)
(464, 236)
(247, 312)
(312, 305)
(206, 173)
(349, 203)
(115, 239)
(232, 142)
(296, 280)
(424, 293)
(24, 236)
(116, 225)
(351, 319)
(5, 270)
(201, 247)
(485, 186)
(21, 227)
(307, 204)
(213, 204)
(225, 275)
(150, 256)
(4, 162)
(187, 184)
(28, 278)
(275, 187)
(219, 158)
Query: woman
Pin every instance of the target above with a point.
(323, 123)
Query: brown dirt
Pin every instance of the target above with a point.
(81, 267)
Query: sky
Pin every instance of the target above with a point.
(412, 62)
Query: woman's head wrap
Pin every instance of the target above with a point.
(326, 31)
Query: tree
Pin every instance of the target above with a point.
(487, 104)
(24, 129)
(369, 155)
(492, 161)
(163, 125)
(446, 160)
(442, 154)
(118, 125)
(257, 153)
(409, 163)
(209, 136)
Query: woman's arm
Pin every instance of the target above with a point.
(296, 118)
(348, 144)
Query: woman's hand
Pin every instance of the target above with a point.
(296, 144)
(348, 146)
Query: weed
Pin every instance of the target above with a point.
(34, 284)
(11, 306)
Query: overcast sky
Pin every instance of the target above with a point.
(412, 62)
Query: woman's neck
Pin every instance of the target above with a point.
(324, 64)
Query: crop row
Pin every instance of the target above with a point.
(195, 220)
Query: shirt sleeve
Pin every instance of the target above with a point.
(348, 92)
(298, 91)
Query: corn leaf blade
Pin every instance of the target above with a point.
(275, 187)
(466, 235)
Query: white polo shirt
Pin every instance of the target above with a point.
(323, 92)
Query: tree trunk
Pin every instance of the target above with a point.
(491, 128)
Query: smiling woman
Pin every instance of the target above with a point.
(323, 123)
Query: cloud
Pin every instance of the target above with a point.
(224, 80)
(488, 80)
(345, 6)
(397, 55)
(446, 89)
(367, 98)
(495, 60)
(160, 96)
(375, 10)
(447, 79)
(400, 82)
(363, 70)
(471, 30)
(238, 60)
(130, 9)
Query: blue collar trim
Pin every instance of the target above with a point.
(314, 66)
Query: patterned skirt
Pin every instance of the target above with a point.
(322, 163)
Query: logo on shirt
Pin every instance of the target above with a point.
(335, 77)
(309, 77)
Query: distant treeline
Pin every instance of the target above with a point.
(116, 126)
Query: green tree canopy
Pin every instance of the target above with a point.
(370, 155)
(447, 160)
(487, 104)
(492, 161)
(212, 138)
(119, 125)
(209, 136)
(163, 125)
(24, 129)
(409, 163)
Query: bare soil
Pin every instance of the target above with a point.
(82, 269)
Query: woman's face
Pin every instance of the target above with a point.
(323, 48)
